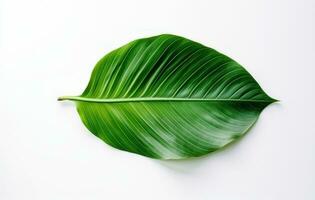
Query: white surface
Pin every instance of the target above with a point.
(49, 48)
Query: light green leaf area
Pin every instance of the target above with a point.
(168, 97)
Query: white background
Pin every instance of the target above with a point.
(49, 48)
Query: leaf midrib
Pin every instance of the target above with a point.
(159, 99)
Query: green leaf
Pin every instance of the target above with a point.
(168, 97)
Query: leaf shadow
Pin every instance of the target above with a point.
(190, 165)
(66, 104)
(193, 164)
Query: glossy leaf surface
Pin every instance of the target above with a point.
(168, 97)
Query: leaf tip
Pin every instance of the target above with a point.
(275, 100)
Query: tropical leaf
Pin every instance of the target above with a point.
(168, 97)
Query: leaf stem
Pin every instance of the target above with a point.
(143, 99)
